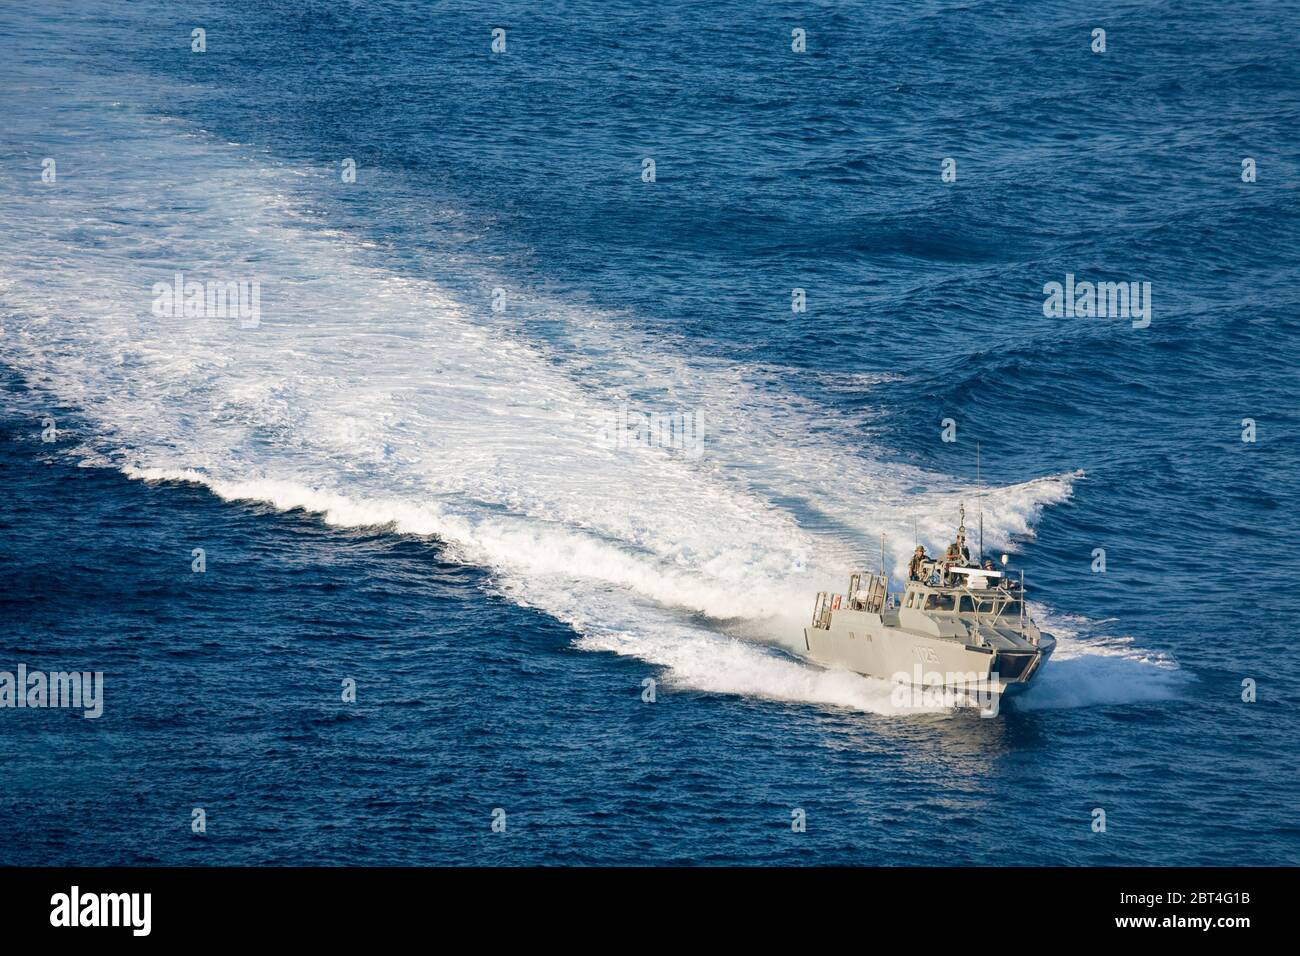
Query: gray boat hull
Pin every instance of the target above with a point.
(908, 647)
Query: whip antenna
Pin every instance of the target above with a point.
(980, 483)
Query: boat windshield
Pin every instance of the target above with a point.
(983, 604)
(968, 603)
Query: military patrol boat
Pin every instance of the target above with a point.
(955, 625)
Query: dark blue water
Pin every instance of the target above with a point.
(489, 673)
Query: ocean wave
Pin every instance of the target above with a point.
(372, 397)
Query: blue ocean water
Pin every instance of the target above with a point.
(397, 484)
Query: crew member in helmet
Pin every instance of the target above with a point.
(957, 556)
(916, 569)
(989, 566)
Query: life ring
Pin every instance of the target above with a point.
(835, 603)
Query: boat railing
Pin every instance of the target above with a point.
(1006, 596)
(869, 598)
(826, 603)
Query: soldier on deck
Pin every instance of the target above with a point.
(957, 556)
(916, 569)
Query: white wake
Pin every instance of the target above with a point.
(373, 398)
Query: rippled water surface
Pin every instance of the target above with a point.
(396, 484)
